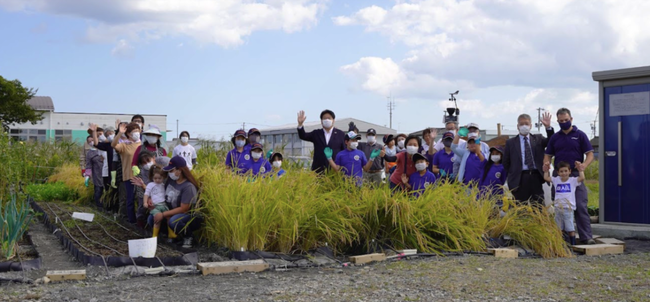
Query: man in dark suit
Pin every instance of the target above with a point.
(328, 136)
(524, 160)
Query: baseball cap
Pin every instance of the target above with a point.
(175, 163)
(473, 125)
(352, 135)
(371, 131)
(388, 138)
(498, 148)
(240, 132)
(257, 146)
(418, 156)
(448, 135)
(254, 130)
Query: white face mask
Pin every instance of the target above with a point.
(102, 138)
(135, 136)
(354, 145)
(185, 139)
(256, 155)
(240, 143)
(420, 166)
(151, 139)
(524, 130)
(400, 143)
(391, 151)
(277, 164)
(495, 158)
(173, 176)
(411, 149)
(91, 144)
(148, 166)
(472, 135)
(327, 123)
(372, 139)
(110, 138)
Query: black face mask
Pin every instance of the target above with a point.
(447, 143)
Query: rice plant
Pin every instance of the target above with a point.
(70, 175)
(15, 217)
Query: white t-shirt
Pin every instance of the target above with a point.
(105, 163)
(187, 152)
(565, 192)
(156, 192)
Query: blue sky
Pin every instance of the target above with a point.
(262, 63)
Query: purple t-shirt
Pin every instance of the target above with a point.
(242, 161)
(351, 162)
(444, 161)
(420, 182)
(473, 169)
(494, 180)
(569, 147)
(261, 167)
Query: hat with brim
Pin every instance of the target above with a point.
(448, 135)
(473, 125)
(388, 138)
(498, 148)
(176, 162)
(352, 136)
(153, 130)
(418, 156)
(257, 146)
(238, 133)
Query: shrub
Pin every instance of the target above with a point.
(51, 191)
(70, 175)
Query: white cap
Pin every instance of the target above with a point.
(473, 125)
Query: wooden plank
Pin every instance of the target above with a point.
(599, 249)
(504, 252)
(226, 267)
(613, 241)
(367, 258)
(66, 275)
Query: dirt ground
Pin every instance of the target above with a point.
(459, 278)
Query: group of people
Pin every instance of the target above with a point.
(157, 189)
(522, 165)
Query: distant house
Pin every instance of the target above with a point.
(287, 135)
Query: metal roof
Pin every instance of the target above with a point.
(341, 124)
(618, 74)
(41, 103)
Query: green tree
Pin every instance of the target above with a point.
(13, 104)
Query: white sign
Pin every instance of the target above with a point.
(624, 104)
(83, 216)
(143, 247)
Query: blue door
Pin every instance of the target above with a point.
(627, 162)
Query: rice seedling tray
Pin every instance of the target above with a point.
(28, 259)
(103, 242)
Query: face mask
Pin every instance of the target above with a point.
(110, 138)
(524, 130)
(185, 139)
(391, 151)
(151, 139)
(495, 158)
(447, 143)
(148, 166)
(354, 145)
(566, 125)
(91, 144)
(256, 155)
(277, 164)
(135, 136)
(253, 139)
(411, 149)
(173, 176)
(239, 143)
(420, 166)
(102, 138)
(472, 135)
(327, 123)
(372, 139)
(400, 144)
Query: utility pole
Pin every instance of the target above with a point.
(539, 118)
(243, 126)
(391, 107)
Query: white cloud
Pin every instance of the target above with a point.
(224, 22)
(122, 49)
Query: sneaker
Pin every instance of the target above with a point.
(187, 242)
(591, 241)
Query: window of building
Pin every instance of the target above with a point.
(32, 135)
(60, 135)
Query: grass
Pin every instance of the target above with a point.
(51, 191)
(70, 176)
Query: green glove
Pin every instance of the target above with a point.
(86, 181)
(328, 152)
(463, 132)
(136, 170)
(113, 176)
(443, 173)
(269, 154)
(374, 154)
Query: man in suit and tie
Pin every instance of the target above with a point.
(328, 136)
(523, 159)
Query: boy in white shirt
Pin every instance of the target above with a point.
(186, 150)
(154, 197)
(565, 196)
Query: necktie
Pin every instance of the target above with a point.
(528, 159)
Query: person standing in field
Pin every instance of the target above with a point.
(373, 176)
(327, 137)
(351, 160)
(185, 150)
(238, 159)
(405, 163)
(126, 151)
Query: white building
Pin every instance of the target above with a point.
(73, 125)
(285, 137)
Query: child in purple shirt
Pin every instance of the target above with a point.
(420, 181)
(351, 161)
(493, 175)
(238, 159)
(259, 164)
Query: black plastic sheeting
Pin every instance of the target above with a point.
(114, 261)
(33, 264)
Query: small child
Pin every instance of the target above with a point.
(565, 192)
(420, 181)
(259, 166)
(351, 161)
(276, 158)
(154, 197)
(493, 175)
